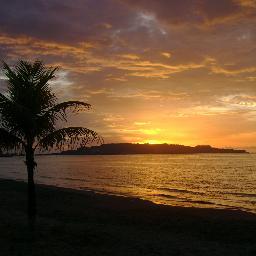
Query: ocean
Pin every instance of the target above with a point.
(198, 180)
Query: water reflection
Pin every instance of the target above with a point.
(206, 180)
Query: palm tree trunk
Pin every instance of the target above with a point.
(31, 204)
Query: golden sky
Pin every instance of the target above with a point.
(180, 71)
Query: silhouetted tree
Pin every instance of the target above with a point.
(29, 112)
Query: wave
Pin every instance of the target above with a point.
(241, 194)
(73, 179)
(167, 196)
(45, 177)
(185, 199)
(182, 191)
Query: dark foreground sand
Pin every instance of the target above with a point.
(83, 223)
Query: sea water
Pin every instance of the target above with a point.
(198, 180)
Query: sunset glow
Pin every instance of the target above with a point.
(151, 142)
(185, 76)
(128, 127)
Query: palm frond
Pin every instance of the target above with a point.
(13, 115)
(30, 111)
(10, 141)
(28, 84)
(73, 137)
(29, 73)
(59, 111)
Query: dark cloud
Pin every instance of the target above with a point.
(197, 12)
(65, 21)
(180, 68)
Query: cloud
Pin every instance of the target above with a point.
(184, 67)
(232, 72)
(166, 54)
(248, 3)
(130, 56)
(28, 46)
(141, 123)
(86, 60)
(241, 101)
(195, 12)
(63, 21)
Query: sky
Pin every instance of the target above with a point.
(155, 71)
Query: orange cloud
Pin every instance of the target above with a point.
(166, 54)
(30, 46)
(232, 72)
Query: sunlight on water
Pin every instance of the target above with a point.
(202, 180)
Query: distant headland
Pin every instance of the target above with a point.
(131, 148)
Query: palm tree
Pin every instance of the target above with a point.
(29, 115)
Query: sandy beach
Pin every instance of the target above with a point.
(72, 222)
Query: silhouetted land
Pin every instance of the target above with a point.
(130, 148)
(74, 222)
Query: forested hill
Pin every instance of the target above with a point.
(130, 148)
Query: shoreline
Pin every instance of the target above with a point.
(88, 191)
(89, 223)
(145, 201)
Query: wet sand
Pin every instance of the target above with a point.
(72, 222)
